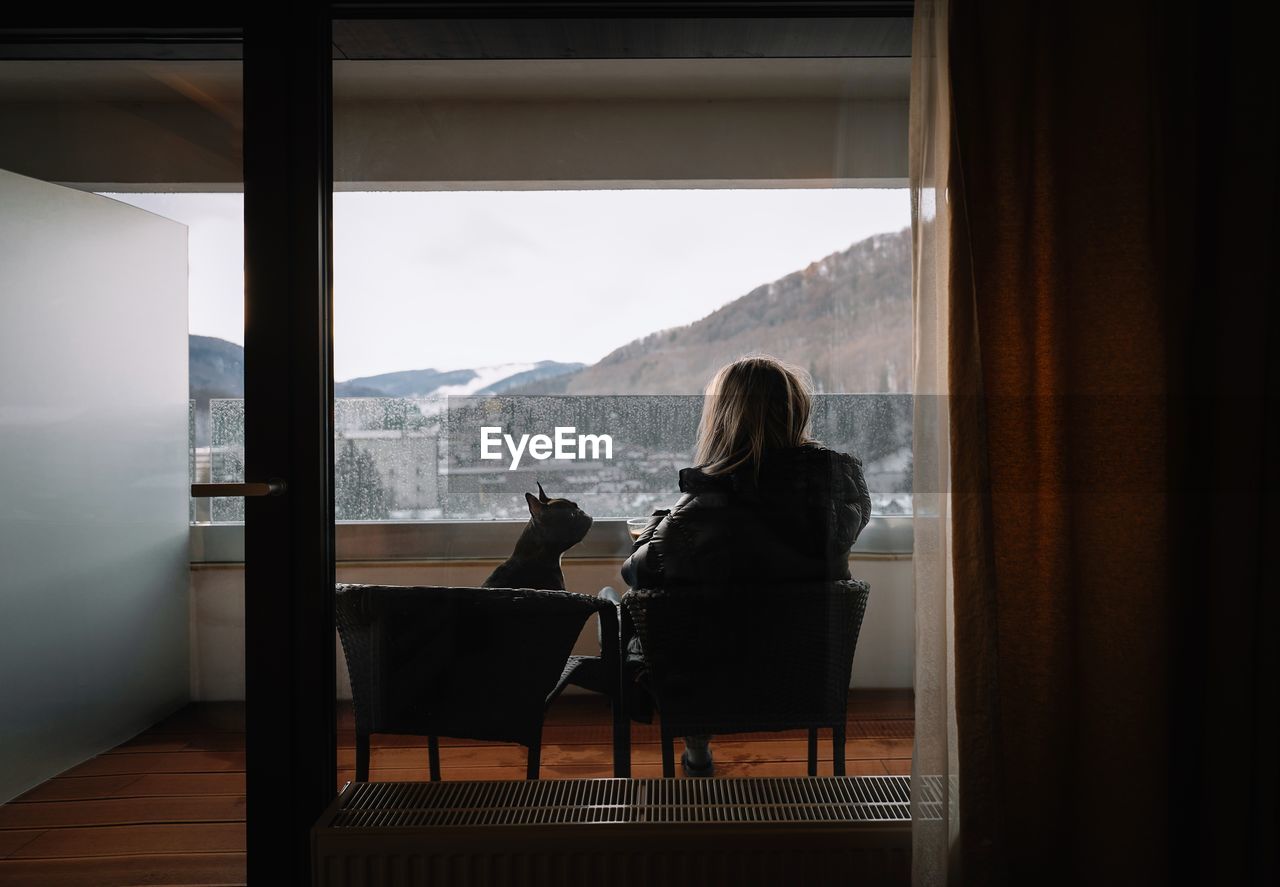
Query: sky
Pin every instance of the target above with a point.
(454, 279)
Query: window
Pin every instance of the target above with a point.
(470, 324)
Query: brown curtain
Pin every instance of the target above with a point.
(1112, 359)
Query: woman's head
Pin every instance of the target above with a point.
(754, 404)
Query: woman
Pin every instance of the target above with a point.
(764, 503)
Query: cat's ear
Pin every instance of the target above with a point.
(535, 507)
(542, 497)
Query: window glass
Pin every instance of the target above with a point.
(474, 326)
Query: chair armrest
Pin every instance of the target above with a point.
(611, 643)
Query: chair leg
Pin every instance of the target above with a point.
(615, 683)
(837, 749)
(433, 756)
(362, 757)
(668, 756)
(813, 751)
(535, 758)
(621, 739)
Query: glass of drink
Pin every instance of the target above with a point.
(636, 525)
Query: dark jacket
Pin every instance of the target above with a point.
(796, 522)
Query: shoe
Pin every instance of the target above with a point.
(706, 769)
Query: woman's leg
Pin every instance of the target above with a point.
(608, 594)
(697, 755)
(639, 703)
(633, 650)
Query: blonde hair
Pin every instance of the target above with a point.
(754, 404)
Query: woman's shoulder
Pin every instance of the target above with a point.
(811, 471)
(811, 457)
(818, 451)
(694, 481)
(810, 465)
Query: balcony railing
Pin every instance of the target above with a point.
(464, 460)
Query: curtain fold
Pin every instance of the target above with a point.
(935, 764)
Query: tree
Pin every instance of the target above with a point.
(358, 490)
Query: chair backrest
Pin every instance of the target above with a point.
(473, 663)
(737, 659)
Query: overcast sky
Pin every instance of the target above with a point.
(475, 278)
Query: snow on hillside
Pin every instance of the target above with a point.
(485, 376)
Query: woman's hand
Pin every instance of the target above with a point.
(647, 532)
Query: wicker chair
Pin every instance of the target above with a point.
(747, 659)
(474, 663)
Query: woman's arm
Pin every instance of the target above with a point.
(643, 569)
(647, 533)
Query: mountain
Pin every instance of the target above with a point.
(481, 380)
(845, 318)
(542, 372)
(406, 383)
(215, 368)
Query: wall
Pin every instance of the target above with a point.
(885, 655)
(93, 474)
(467, 145)
(688, 144)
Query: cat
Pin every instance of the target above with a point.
(555, 526)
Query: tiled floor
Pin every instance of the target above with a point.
(168, 806)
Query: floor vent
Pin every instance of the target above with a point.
(829, 830)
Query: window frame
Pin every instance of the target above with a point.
(450, 540)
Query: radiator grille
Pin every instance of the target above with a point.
(930, 801)
(836, 799)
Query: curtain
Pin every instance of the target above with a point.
(1064, 457)
(1054, 391)
(934, 771)
(1096, 370)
